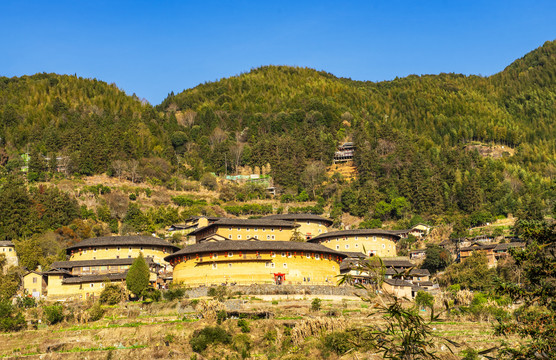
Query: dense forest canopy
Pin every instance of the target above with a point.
(413, 135)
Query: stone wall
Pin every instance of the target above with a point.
(282, 290)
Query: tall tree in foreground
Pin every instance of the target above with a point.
(137, 279)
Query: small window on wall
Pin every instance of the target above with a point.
(283, 254)
(383, 246)
(230, 236)
(84, 251)
(374, 238)
(356, 238)
(248, 237)
(34, 280)
(95, 250)
(317, 257)
(267, 264)
(273, 254)
(92, 285)
(256, 237)
(308, 256)
(356, 245)
(239, 237)
(119, 248)
(272, 265)
(247, 229)
(337, 247)
(214, 265)
(347, 246)
(229, 265)
(268, 237)
(285, 265)
(230, 254)
(272, 237)
(101, 284)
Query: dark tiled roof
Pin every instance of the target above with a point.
(425, 283)
(6, 243)
(94, 278)
(479, 247)
(354, 232)
(506, 246)
(247, 222)
(397, 263)
(412, 272)
(354, 254)
(293, 217)
(406, 231)
(56, 272)
(388, 263)
(99, 262)
(123, 241)
(252, 245)
(398, 282)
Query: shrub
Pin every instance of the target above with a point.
(132, 197)
(243, 325)
(218, 293)
(96, 312)
(202, 338)
(316, 304)
(26, 302)
(10, 320)
(111, 295)
(338, 342)
(222, 315)
(151, 293)
(242, 344)
(209, 181)
(172, 294)
(53, 314)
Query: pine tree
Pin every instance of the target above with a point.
(137, 279)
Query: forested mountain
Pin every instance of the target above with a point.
(414, 135)
(88, 121)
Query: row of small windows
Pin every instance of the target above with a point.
(254, 229)
(357, 245)
(9, 249)
(119, 248)
(268, 237)
(355, 238)
(268, 264)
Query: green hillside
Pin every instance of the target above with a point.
(88, 121)
(416, 136)
(411, 132)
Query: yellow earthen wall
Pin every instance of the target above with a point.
(124, 252)
(249, 232)
(311, 228)
(379, 245)
(29, 286)
(250, 269)
(398, 291)
(59, 291)
(11, 255)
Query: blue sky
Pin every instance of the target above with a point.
(153, 47)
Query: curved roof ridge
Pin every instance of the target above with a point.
(247, 245)
(353, 232)
(123, 240)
